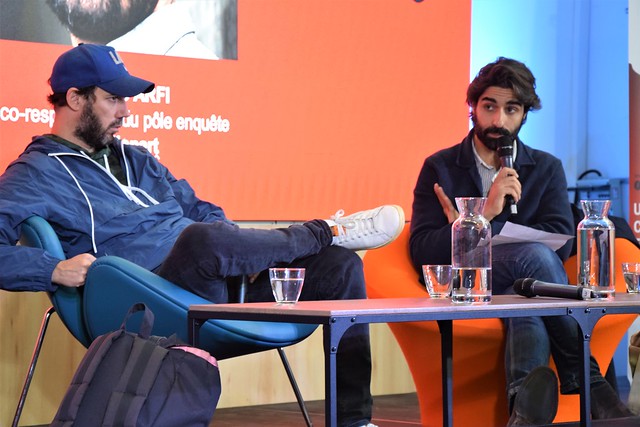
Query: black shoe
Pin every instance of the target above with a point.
(605, 403)
(537, 400)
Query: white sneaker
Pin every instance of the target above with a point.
(367, 229)
(369, 425)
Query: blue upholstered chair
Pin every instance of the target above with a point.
(114, 284)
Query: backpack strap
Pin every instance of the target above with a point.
(136, 382)
(79, 384)
(147, 320)
(139, 375)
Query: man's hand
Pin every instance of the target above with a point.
(447, 207)
(72, 272)
(505, 183)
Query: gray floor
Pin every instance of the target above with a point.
(388, 411)
(399, 410)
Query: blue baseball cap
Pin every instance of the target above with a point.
(95, 65)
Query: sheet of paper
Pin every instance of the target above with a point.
(515, 233)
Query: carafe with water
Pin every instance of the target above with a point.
(471, 252)
(596, 236)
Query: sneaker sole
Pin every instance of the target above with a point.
(398, 230)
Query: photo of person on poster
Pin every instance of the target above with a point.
(205, 29)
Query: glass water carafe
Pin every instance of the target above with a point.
(471, 252)
(596, 237)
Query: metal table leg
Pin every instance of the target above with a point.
(332, 334)
(446, 343)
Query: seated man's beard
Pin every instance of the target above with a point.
(490, 142)
(90, 131)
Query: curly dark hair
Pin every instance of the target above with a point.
(509, 74)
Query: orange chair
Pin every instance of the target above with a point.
(479, 397)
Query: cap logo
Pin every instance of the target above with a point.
(115, 57)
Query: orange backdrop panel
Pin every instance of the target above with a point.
(331, 104)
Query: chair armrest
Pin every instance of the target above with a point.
(36, 232)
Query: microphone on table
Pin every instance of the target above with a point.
(505, 151)
(531, 287)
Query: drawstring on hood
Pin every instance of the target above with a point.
(128, 190)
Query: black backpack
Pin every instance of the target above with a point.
(128, 379)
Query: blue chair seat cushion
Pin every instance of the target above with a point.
(114, 284)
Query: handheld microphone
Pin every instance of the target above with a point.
(505, 151)
(531, 287)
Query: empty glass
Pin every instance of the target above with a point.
(437, 278)
(631, 273)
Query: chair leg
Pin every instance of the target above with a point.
(294, 385)
(243, 287)
(32, 365)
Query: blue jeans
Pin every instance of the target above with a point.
(206, 255)
(531, 340)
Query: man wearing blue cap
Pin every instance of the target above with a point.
(104, 197)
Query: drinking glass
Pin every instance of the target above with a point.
(631, 273)
(437, 278)
(286, 284)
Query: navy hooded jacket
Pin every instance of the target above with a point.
(90, 210)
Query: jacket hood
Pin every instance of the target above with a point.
(44, 144)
